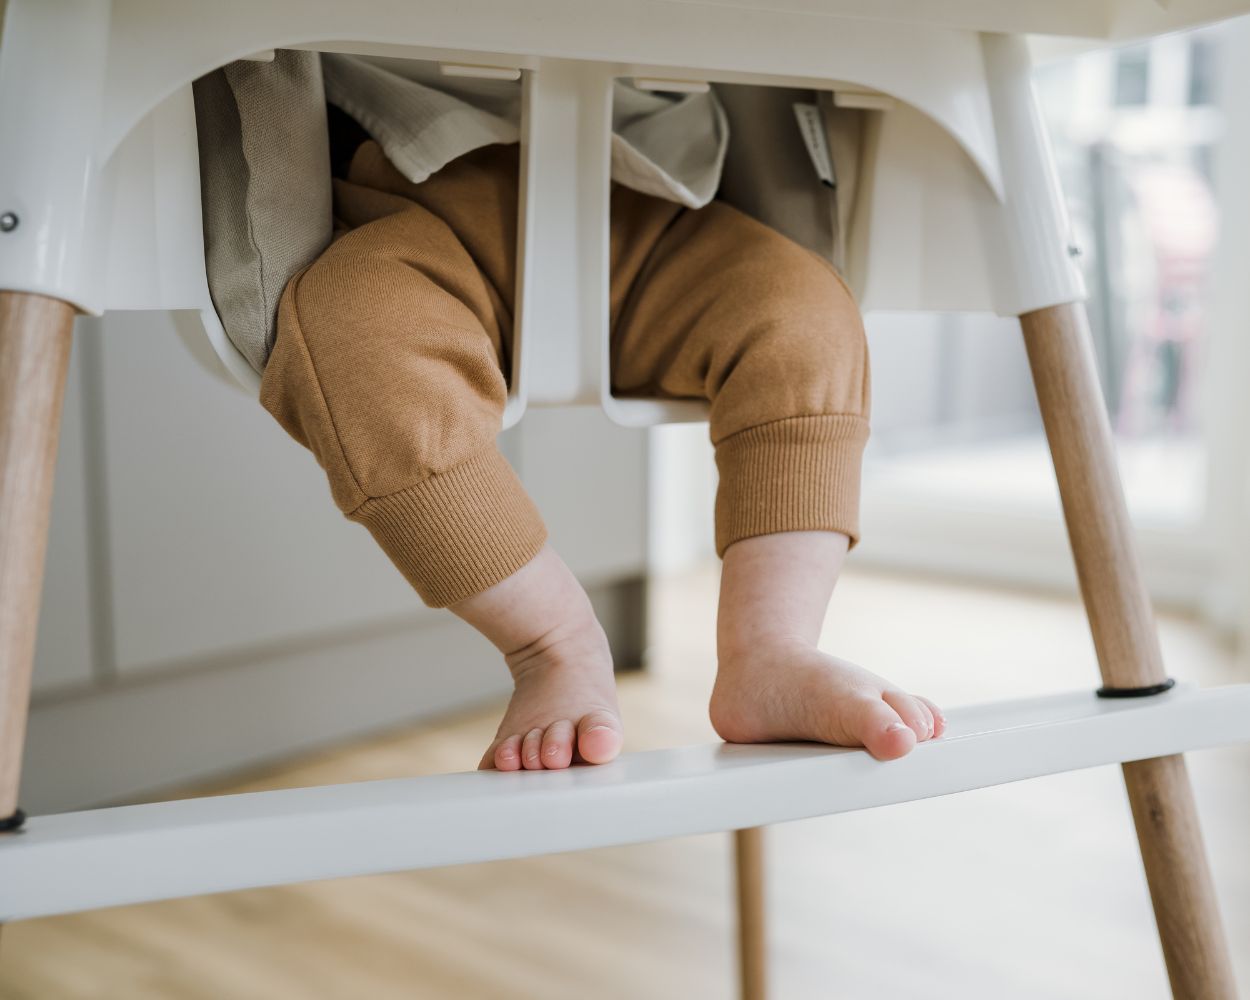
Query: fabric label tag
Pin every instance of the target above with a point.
(812, 128)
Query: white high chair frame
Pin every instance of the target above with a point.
(99, 209)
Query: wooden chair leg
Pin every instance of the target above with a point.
(1062, 361)
(752, 926)
(35, 336)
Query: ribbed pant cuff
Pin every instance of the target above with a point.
(797, 474)
(458, 532)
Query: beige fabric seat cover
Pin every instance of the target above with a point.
(265, 168)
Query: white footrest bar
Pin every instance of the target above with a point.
(106, 857)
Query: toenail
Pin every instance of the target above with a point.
(895, 727)
(552, 751)
(594, 728)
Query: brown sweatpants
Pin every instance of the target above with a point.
(392, 346)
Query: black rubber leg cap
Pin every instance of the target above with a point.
(14, 822)
(1141, 692)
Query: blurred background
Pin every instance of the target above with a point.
(1150, 144)
(211, 624)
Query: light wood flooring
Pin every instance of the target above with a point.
(1027, 891)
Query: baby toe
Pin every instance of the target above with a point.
(912, 711)
(531, 756)
(507, 755)
(880, 729)
(557, 745)
(599, 737)
(939, 720)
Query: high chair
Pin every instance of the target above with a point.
(958, 208)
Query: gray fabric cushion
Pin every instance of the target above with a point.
(767, 173)
(846, 131)
(265, 187)
(769, 176)
(420, 129)
(667, 145)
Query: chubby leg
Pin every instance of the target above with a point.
(773, 683)
(388, 365)
(726, 309)
(564, 707)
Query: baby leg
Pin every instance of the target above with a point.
(388, 364)
(726, 309)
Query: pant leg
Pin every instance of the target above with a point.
(389, 365)
(712, 304)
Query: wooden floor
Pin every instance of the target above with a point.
(1028, 891)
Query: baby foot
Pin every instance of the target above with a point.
(789, 690)
(564, 707)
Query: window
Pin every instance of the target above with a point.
(1132, 76)
(1202, 70)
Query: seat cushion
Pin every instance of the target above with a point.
(769, 175)
(265, 187)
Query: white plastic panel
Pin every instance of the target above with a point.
(113, 67)
(562, 312)
(918, 242)
(96, 69)
(107, 857)
(156, 244)
(53, 60)
(1031, 246)
(935, 69)
(154, 241)
(161, 44)
(155, 233)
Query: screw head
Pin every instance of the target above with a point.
(8, 222)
